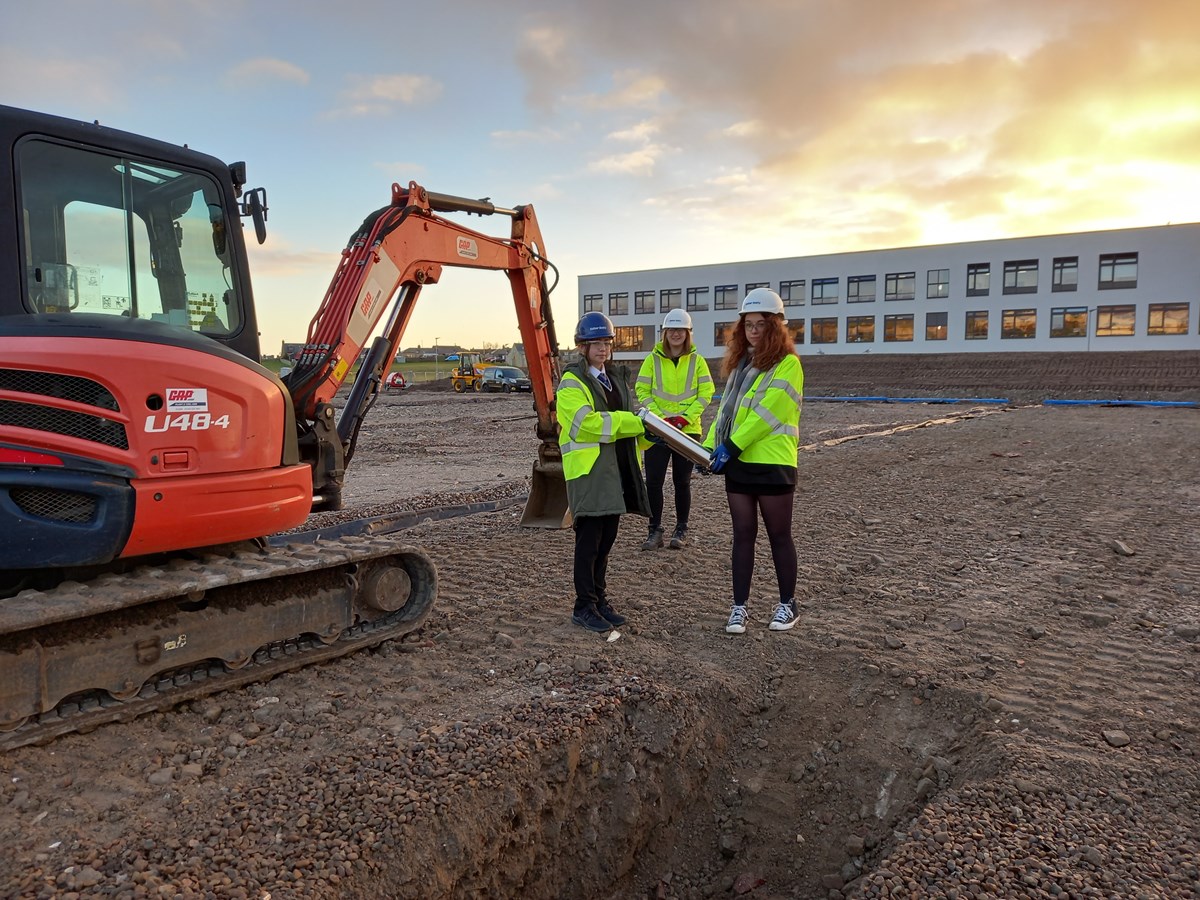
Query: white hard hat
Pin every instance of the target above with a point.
(763, 300)
(677, 318)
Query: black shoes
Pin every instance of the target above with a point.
(590, 619)
(610, 615)
(654, 541)
(598, 618)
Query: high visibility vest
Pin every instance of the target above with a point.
(585, 428)
(766, 424)
(669, 388)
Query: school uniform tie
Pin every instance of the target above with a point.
(603, 379)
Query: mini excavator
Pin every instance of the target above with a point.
(145, 453)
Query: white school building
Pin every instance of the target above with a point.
(1126, 289)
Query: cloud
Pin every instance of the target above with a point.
(639, 133)
(545, 59)
(401, 172)
(637, 162)
(896, 119)
(255, 72)
(381, 94)
(630, 89)
(751, 128)
(529, 135)
(88, 85)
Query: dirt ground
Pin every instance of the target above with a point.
(994, 691)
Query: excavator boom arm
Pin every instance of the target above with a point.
(405, 246)
(396, 252)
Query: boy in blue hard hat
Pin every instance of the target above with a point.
(599, 433)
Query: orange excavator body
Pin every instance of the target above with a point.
(141, 439)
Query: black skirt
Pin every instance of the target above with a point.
(759, 478)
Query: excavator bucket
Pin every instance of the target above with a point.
(547, 503)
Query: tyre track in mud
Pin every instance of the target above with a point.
(1039, 578)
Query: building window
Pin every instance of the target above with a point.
(593, 303)
(796, 327)
(935, 326)
(643, 302)
(824, 290)
(726, 296)
(670, 299)
(1021, 276)
(792, 292)
(860, 289)
(898, 329)
(633, 337)
(1018, 324)
(751, 285)
(721, 332)
(860, 329)
(900, 286)
(977, 325)
(824, 331)
(697, 299)
(1069, 321)
(979, 279)
(1168, 318)
(937, 284)
(618, 304)
(1114, 321)
(1066, 274)
(1118, 270)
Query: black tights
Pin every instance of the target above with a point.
(657, 457)
(777, 517)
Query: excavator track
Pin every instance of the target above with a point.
(121, 645)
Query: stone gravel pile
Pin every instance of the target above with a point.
(457, 791)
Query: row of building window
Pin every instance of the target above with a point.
(1115, 271)
(1015, 324)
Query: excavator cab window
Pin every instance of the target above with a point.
(112, 235)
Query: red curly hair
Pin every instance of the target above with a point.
(773, 346)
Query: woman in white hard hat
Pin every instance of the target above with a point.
(754, 442)
(674, 383)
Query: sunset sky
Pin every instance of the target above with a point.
(646, 134)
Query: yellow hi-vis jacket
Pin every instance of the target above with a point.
(766, 424)
(675, 388)
(592, 440)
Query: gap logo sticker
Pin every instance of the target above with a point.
(181, 399)
(467, 248)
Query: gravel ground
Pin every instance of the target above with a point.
(992, 692)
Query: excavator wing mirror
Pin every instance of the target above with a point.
(255, 206)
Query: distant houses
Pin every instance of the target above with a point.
(511, 356)
(290, 350)
(428, 354)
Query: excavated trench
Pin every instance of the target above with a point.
(642, 791)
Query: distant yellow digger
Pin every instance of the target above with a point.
(468, 374)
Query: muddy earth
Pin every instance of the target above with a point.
(994, 689)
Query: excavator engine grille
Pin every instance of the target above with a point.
(63, 387)
(60, 421)
(59, 506)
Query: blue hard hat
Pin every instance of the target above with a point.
(594, 326)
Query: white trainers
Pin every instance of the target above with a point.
(737, 620)
(785, 616)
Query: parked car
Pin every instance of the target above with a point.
(505, 378)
